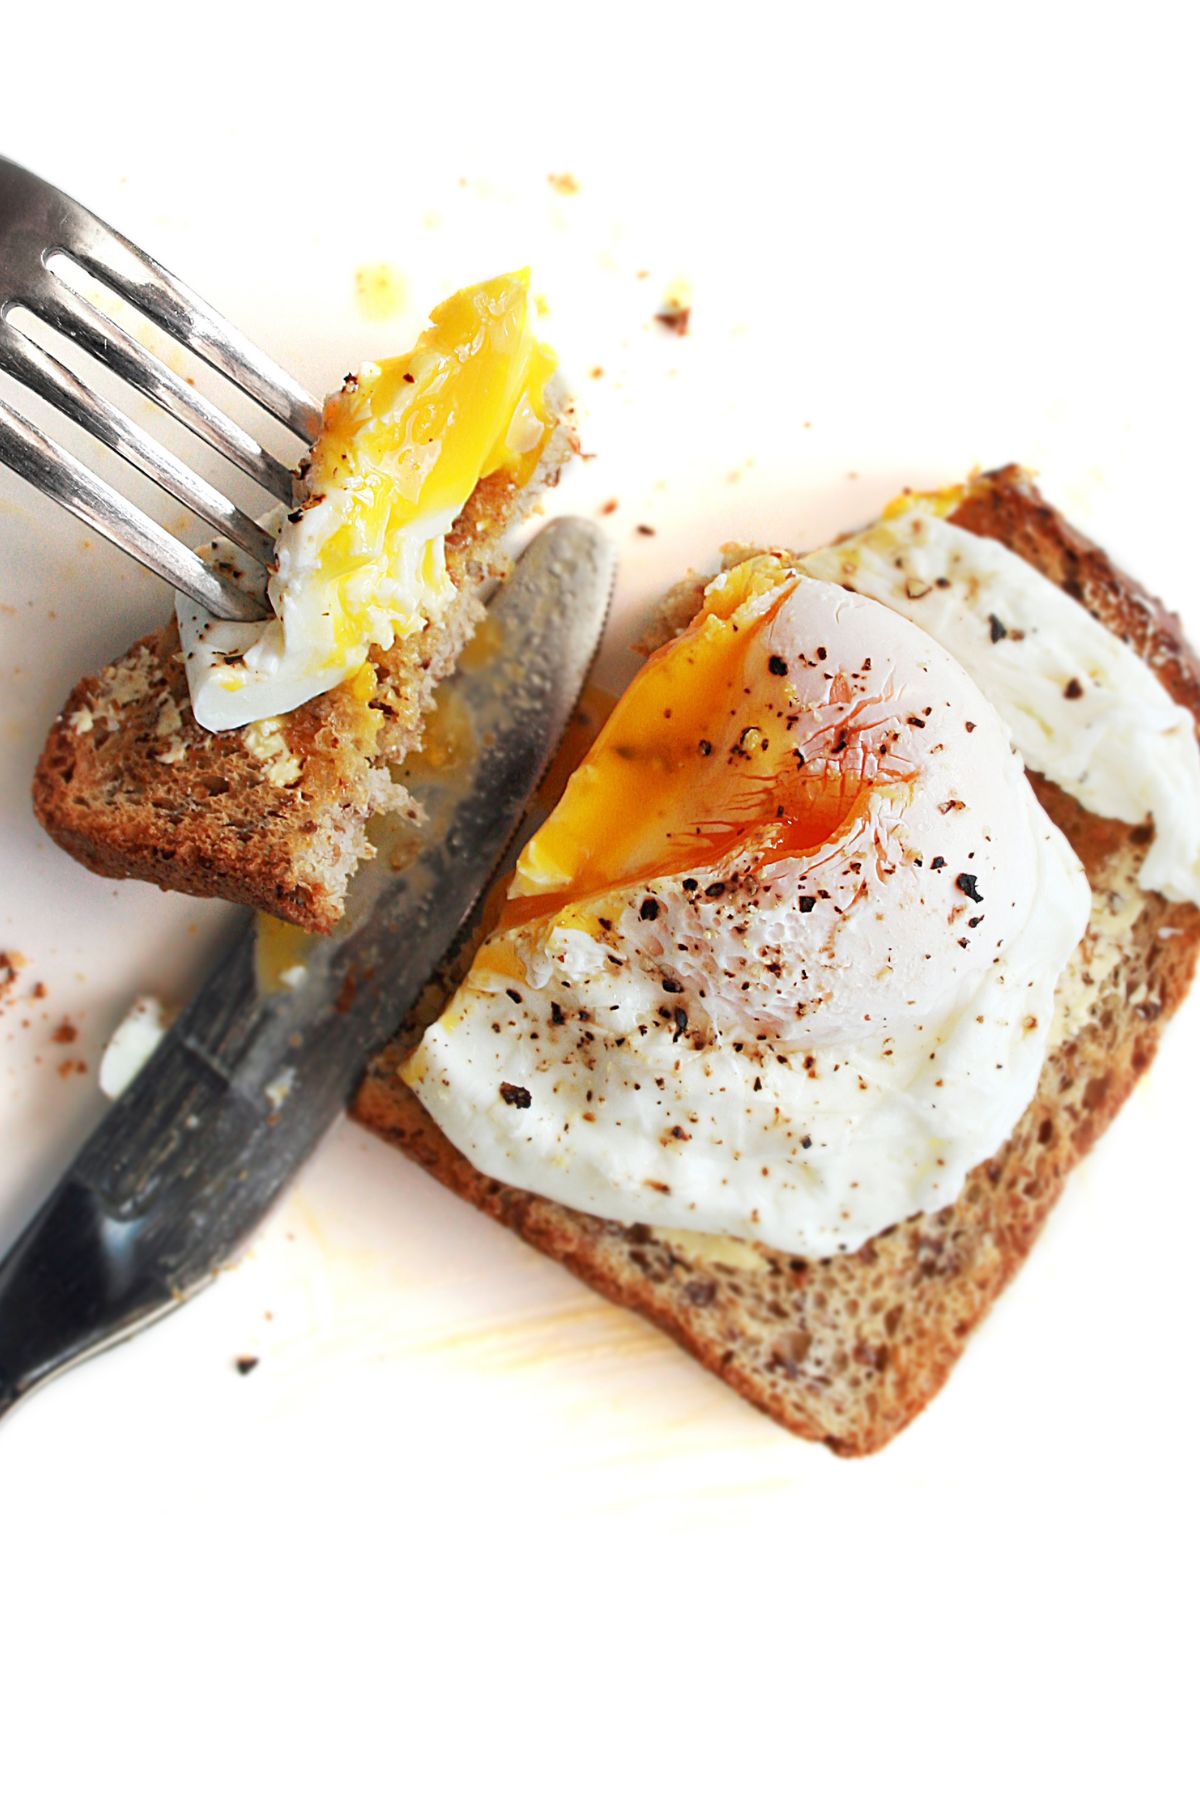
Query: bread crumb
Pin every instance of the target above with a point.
(132, 1044)
(674, 317)
(126, 681)
(563, 184)
(65, 1033)
(278, 1090)
(265, 740)
(170, 720)
(11, 964)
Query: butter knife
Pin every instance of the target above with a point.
(187, 1162)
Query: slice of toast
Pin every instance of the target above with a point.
(848, 1350)
(131, 785)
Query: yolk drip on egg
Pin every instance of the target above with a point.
(939, 501)
(412, 436)
(678, 779)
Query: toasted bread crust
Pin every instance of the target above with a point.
(132, 787)
(1007, 506)
(849, 1350)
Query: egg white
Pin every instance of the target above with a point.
(1082, 706)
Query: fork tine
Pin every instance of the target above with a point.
(29, 363)
(60, 307)
(144, 282)
(57, 473)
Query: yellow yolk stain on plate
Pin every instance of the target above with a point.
(381, 292)
(280, 954)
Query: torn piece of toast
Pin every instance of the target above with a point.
(850, 1348)
(273, 817)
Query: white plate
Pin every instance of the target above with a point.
(465, 1524)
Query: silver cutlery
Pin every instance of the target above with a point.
(50, 246)
(187, 1162)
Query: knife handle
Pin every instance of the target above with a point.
(59, 1292)
(183, 1166)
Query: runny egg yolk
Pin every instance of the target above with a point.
(477, 404)
(677, 779)
(402, 446)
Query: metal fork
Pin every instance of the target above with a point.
(39, 227)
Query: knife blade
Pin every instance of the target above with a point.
(187, 1162)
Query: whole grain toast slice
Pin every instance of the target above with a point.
(848, 1350)
(131, 786)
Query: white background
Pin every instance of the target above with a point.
(466, 1529)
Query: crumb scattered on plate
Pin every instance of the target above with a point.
(674, 317)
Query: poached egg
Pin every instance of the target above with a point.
(781, 963)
